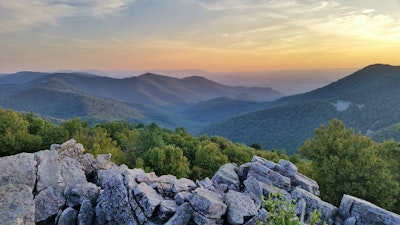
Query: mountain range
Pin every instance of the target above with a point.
(366, 100)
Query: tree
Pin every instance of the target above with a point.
(347, 163)
(167, 160)
(208, 159)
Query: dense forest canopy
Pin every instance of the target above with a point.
(341, 161)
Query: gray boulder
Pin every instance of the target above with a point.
(240, 207)
(208, 203)
(167, 209)
(112, 205)
(182, 184)
(76, 194)
(365, 212)
(182, 216)
(147, 198)
(47, 203)
(288, 168)
(200, 219)
(268, 176)
(328, 211)
(261, 217)
(227, 177)
(68, 217)
(306, 183)
(16, 205)
(86, 213)
(103, 162)
(18, 169)
(182, 197)
(243, 170)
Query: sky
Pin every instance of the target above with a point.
(211, 35)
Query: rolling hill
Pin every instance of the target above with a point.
(368, 100)
(146, 98)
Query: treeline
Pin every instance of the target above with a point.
(136, 145)
(340, 160)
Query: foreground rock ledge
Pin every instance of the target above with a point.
(64, 185)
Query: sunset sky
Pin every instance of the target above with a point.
(213, 35)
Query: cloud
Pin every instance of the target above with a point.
(22, 14)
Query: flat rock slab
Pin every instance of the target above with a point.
(208, 203)
(16, 205)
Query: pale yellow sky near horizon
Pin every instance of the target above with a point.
(212, 35)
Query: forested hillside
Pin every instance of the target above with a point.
(366, 100)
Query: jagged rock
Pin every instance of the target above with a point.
(350, 221)
(47, 203)
(16, 204)
(86, 213)
(262, 217)
(240, 207)
(76, 194)
(167, 209)
(263, 162)
(147, 198)
(327, 210)
(103, 176)
(288, 168)
(103, 162)
(268, 176)
(164, 185)
(300, 209)
(365, 212)
(112, 205)
(68, 217)
(182, 197)
(200, 219)
(207, 184)
(182, 184)
(243, 170)
(18, 169)
(148, 178)
(182, 216)
(208, 203)
(305, 183)
(227, 177)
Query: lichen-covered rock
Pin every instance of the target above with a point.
(76, 194)
(182, 197)
(240, 207)
(268, 176)
(182, 216)
(305, 183)
(47, 203)
(147, 198)
(208, 203)
(365, 212)
(68, 217)
(86, 213)
(227, 177)
(18, 169)
(16, 205)
(167, 209)
(182, 184)
(113, 206)
(103, 162)
(261, 217)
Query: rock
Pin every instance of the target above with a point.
(240, 207)
(365, 212)
(103, 176)
(182, 197)
(350, 221)
(200, 219)
(228, 177)
(182, 215)
(261, 217)
(147, 198)
(47, 204)
(266, 163)
(207, 184)
(300, 209)
(16, 204)
(148, 178)
(182, 184)
(68, 217)
(76, 194)
(208, 203)
(103, 162)
(112, 205)
(243, 170)
(308, 184)
(18, 169)
(167, 209)
(288, 168)
(268, 176)
(327, 210)
(86, 213)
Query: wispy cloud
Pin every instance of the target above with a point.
(22, 14)
(66, 38)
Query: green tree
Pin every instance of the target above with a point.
(208, 159)
(167, 160)
(347, 163)
(14, 134)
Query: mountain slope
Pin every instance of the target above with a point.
(366, 100)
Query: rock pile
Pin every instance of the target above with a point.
(65, 186)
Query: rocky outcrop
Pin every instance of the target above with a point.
(64, 185)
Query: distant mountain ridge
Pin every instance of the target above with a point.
(371, 96)
(146, 98)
